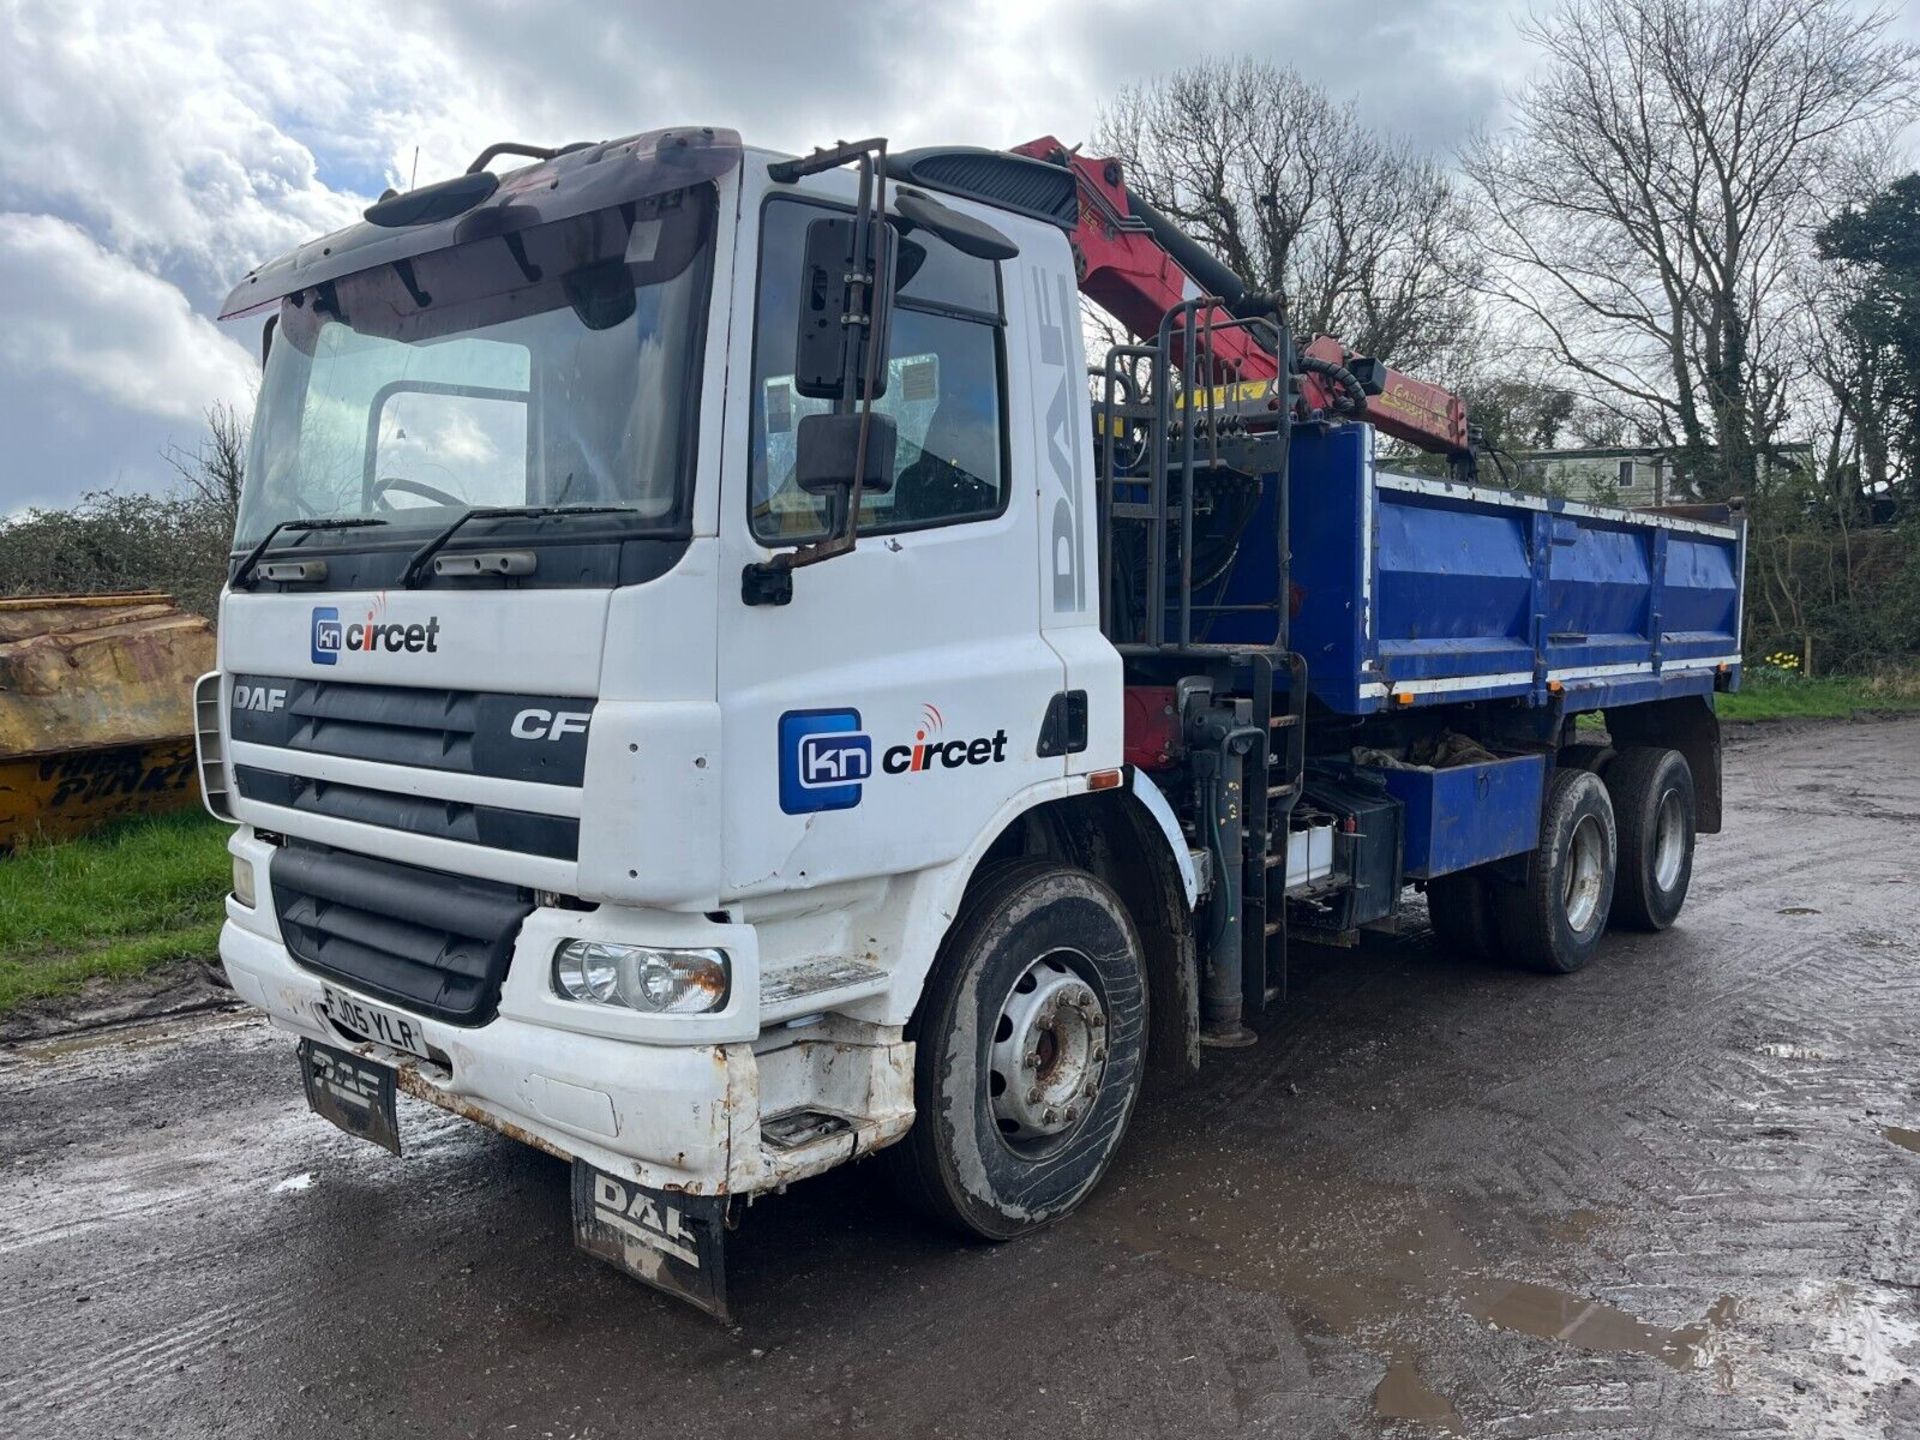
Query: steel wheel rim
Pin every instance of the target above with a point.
(1669, 840)
(1048, 1054)
(1586, 866)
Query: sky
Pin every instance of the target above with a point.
(153, 151)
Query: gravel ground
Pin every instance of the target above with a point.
(1673, 1195)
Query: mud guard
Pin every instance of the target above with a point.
(675, 1243)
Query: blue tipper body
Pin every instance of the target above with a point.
(1441, 592)
(1417, 592)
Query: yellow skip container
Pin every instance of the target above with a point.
(96, 710)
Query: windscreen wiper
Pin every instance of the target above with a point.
(243, 577)
(417, 564)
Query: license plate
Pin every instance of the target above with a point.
(355, 1094)
(366, 1021)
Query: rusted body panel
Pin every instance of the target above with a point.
(96, 718)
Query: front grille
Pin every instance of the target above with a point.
(471, 732)
(432, 943)
(522, 831)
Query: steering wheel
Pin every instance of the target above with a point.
(386, 483)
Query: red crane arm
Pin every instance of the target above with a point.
(1127, 268)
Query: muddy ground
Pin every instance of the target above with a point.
(1674, 1196)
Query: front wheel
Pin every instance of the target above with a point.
(1029, 1050)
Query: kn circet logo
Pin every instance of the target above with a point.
(332, 637)
(826, 758)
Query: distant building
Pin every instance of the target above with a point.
(1630, 475)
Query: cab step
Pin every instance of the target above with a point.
(815, 985)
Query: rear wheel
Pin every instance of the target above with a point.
(1030, 1045)
(1653, 800)
(1462, 913)
(1553, 921)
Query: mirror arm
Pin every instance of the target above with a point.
(770, 582)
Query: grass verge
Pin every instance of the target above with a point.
(114, 904)
(1767, 695)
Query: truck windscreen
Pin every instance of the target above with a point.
(555, 365)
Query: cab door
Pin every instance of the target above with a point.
(878, 722)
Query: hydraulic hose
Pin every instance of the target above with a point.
(1355, 401)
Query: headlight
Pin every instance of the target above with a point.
(243, 881)
(642, 977)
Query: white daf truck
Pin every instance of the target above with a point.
(706, 692)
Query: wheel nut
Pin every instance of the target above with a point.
(1072, 1115)
(1053, 1117)
(1031, 1060)
(1033, 1096)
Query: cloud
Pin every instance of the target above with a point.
(104, 327)
(152, 151)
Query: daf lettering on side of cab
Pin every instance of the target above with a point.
(538, 724)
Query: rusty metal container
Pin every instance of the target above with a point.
(96, 712)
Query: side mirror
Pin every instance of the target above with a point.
(841, 314)
(827, 447)
(966, 234)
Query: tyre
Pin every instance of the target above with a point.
(1587, 756)
(1030, 1045)
(1553, 921)
(1462, 913)
(1653, 802)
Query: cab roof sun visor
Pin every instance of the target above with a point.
(560, 184)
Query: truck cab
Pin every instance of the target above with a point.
(611, 767)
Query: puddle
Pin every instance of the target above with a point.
(1383, 1264)
(1550, 1314)
(1350, 1256)
(1904, 1138)
(1403, 1395)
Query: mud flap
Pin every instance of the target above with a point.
(675, 1243)
(355, 1094)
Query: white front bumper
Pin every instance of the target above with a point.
(669, 1115)
(600, 1084)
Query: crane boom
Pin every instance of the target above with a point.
(1136, 264)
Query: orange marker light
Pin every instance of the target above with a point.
(1104, 780)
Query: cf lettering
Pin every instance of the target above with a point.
(548, 724)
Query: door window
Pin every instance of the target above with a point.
(945, 370)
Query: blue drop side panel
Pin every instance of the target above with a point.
(1456, 589)
(1438, 588)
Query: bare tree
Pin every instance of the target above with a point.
(1646, 208)
(1359, 235)
(215, 469)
